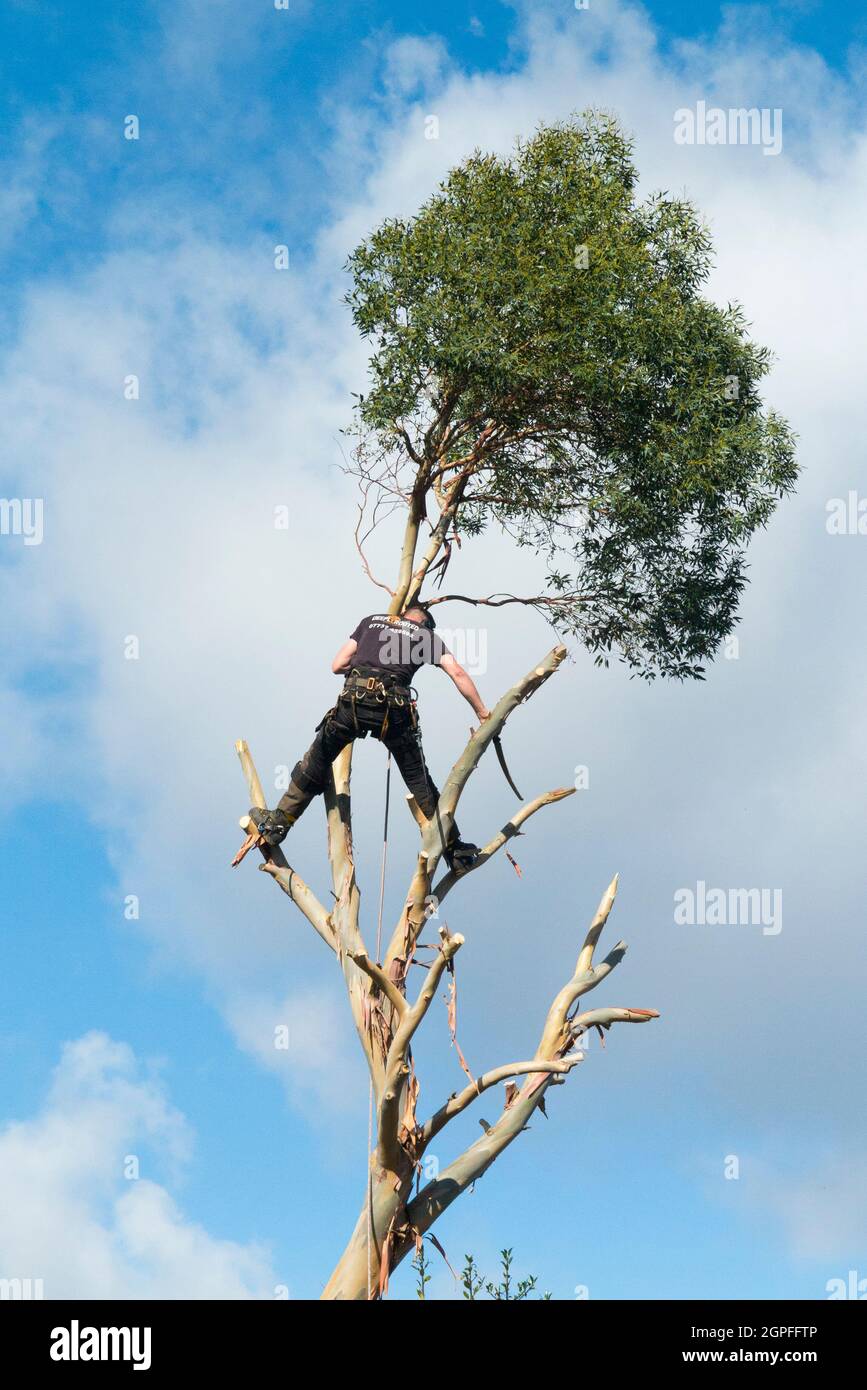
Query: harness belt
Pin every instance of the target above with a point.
(368, 684)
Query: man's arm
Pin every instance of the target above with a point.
(465, 685)
(342, 663)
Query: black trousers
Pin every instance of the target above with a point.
(402, 738)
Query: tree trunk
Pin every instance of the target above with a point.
(393, 1221)
(357, 1273)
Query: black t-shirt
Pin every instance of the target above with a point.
(397, 645)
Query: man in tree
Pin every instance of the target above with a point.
(379, 661)
(544, 365)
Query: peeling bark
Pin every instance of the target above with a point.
(393, 1221)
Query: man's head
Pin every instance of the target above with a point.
(420, 613)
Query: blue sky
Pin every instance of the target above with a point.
(155, 257)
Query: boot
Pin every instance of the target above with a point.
(273, 826)
(461, 855)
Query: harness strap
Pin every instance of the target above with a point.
(369, 687)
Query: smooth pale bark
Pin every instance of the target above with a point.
(435, 832)
(407, 1220)
(392, 1220)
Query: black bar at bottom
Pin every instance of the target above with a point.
(617, 1338)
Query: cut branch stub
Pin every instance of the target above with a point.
(276, 863)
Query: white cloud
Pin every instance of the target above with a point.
(822, 1209)
(22, 178)
(304, 1039)
(159, 523)
(413, 62)
(69, 1216)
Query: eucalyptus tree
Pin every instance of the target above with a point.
(543, 361)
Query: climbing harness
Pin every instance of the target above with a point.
(378, 689)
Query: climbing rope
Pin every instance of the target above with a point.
(378, 954)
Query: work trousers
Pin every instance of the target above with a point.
(395, 725)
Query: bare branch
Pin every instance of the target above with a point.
(460, 1100)
(438, 535)
(345, 913)
(585, 958)
(508, 832)
(415, 811)
(554, 603)
(381, 980)
(295, 888)
(554, 1046)
(254, 786)
(275, 861)
(480, 740)
(359, 545)
(437, 830)
(414, 519)
(586, 977)
(397, 1062)
(603, 1018)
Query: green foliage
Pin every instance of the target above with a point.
(474, 1285)
(592, 409)
(421, 1265)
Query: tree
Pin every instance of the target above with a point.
(542, 361)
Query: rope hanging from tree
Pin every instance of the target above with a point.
(378, 953)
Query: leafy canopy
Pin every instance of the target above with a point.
(544, 359)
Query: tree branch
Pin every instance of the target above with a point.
(436, 831)
(276, 863)
(438, 535)
(359, 545)
(554, 1046)
(248, 767)
(585, 977)
(460, 1100)
(519, 694)
(508, 832)
(397, 1063)
(345, 918)
(381, 980)
(414, 519)
(603, 1018)
(295, 888)
(500, 600)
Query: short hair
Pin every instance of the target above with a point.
(422, 608)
